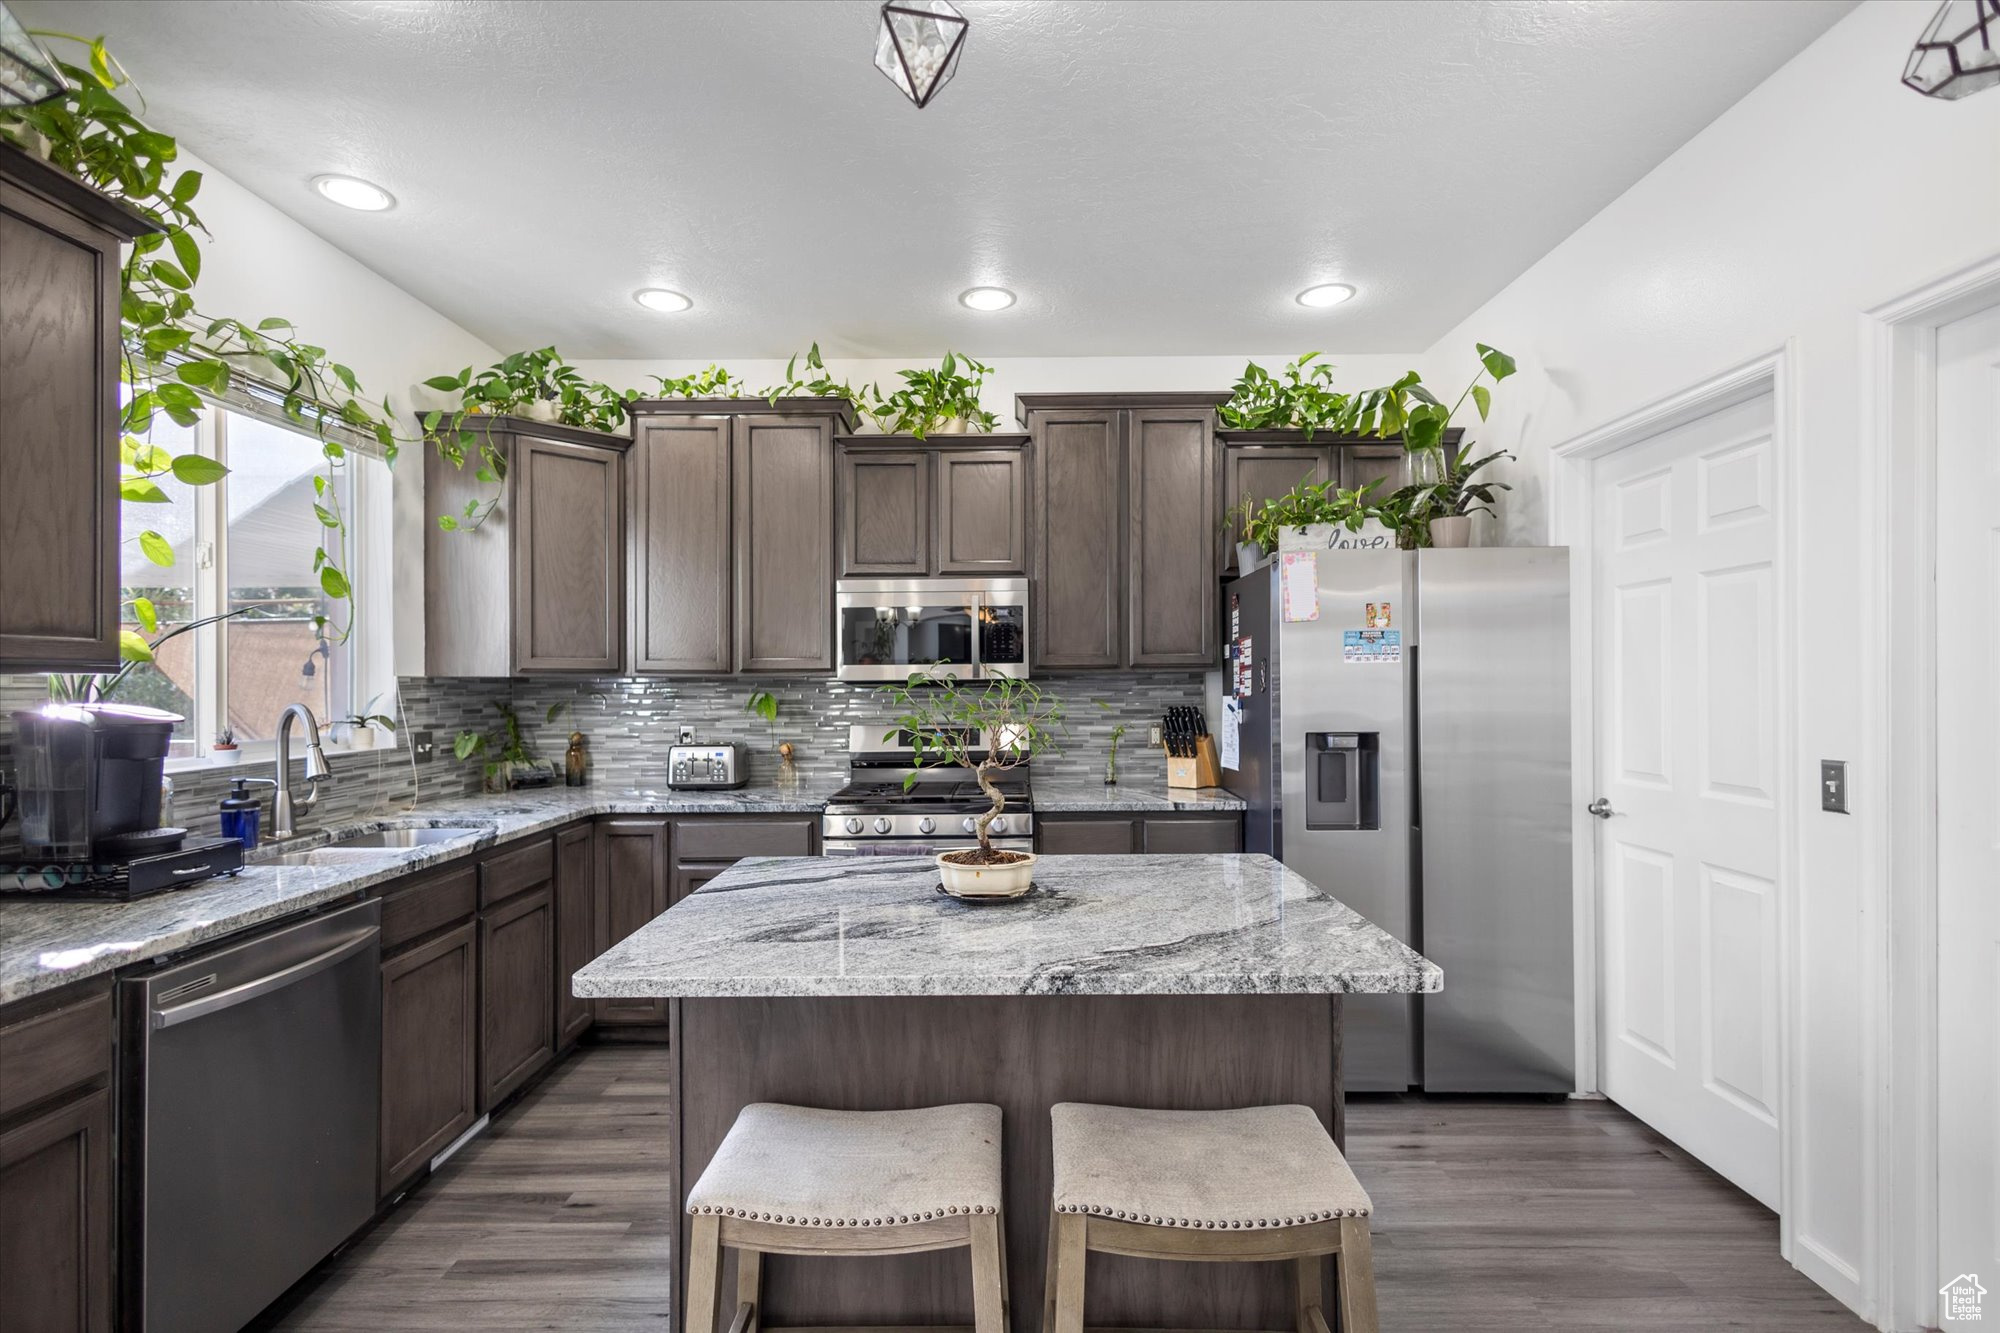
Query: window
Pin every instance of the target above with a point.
(246, 544)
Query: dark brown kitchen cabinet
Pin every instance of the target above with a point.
(1085, 836)
(982, 511)
(1386, 465)
(885, 512)
(732, 547)
(517, 1022)
(1166, 834)
(60, 245)
(1123, 516)
(430, 1046)
(576, 926)
(56, 1212)
(631, 874)
(535, 583)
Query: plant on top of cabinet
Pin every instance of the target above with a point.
(1313, 504)
(820, 384)
(988, 728)
(1300, 397)
(714, 382)
(940, 400)
(172, 352)
(1440, 512)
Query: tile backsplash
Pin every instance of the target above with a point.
(627, 724)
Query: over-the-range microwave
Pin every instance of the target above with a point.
(967, 628)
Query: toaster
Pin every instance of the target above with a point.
(706, 766)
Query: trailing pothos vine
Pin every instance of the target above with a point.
(174, 353)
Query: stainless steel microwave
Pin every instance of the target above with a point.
(971, 629)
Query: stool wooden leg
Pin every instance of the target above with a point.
(1357, 1278)
(1311, 1297)
(989, 1275)
(1070, 1253)
(749, 1286)
(704, 1272)
(1049, 1279)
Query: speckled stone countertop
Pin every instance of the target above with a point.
(1098, 925)
(1060, 796)
(45, 945)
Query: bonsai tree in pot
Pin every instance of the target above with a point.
(988, 727)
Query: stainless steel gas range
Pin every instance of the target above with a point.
(875, 814)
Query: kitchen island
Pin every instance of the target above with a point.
(1169, 981)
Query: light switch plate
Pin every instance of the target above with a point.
(687, 736)
(1833, 786)
(423, 746)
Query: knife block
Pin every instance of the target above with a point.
(1196, 770)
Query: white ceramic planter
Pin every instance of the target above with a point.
(361, 737)
(1373, 536)
(232, 755)
(1452, 531)
(542, 409)
(987, 881)
(1249, 555)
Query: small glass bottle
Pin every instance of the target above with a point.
(574, 761)
(788, 768)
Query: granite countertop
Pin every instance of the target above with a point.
(1057, 796)
(1098, 925)
(46, 945)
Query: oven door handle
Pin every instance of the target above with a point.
(974, 601)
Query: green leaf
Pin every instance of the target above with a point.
(1482, 398)
(1498, 364)
(327, 517)
(186, 186)
(444, 383)
(466, 743)
(319, 483)
(272, 324)
(156, 548)
(196, 470)
(146, 614)
(169, 274)
(186, 251)
(333, 583)
(140, 490)
(133, 648)
(447, 523)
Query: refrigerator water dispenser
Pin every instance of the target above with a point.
(1343, 770)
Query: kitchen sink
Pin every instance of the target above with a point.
(351, 848)
(405, 837)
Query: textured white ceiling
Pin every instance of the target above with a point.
(1152, 178)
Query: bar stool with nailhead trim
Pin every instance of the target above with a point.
(794, 1180)
(1255, 1185)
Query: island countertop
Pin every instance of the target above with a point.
(1097, 925)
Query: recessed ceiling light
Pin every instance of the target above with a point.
(1326, 294)
(986, 298)
(351, 193)
(662, 300)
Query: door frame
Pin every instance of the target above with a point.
(1899, 744)
(1572, 523)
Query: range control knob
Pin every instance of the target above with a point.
(853, 826)
(883, 825)
(999, 825)
(927, 825)
(971, 824)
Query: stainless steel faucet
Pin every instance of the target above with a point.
(316, 768)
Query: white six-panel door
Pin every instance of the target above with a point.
(1686, 649)
(1968, 748)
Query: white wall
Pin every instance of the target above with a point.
(1826, 191)
(1047, 374)
(257, 263)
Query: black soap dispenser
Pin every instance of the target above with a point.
(241, 814)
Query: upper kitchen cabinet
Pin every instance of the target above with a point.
(59, 538)
(539, 584)
(1123, 511)
(921, 508)
(1265, 464)
(732, 511)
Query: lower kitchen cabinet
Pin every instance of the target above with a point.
(1127, 835)
(430, 1047)
(631, 889)
(517, 1026)
(576, 926)
(55, 1162)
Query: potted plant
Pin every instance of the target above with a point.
(358, 729)
(1301, 397)
(712, 382)
(940, 402)
(1241, 521)
(1413, 411)
(818, 383)
(1317, 511)
(987, 727)
(225, 750)
(1449, 503)
(505, 748)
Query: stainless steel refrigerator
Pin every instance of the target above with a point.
(1402, 739)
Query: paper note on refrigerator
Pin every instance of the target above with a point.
(1232, 732)
(1300, 585)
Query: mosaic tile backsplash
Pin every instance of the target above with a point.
(628, 723)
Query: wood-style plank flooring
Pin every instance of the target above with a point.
(1491, 1216)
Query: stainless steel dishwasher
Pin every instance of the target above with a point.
(254, 1113)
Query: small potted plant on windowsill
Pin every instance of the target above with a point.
(225, 750)
(357, 730)
(987, 727)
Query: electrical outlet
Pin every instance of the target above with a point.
(1153, 736)
(687, 736)
(423, 746)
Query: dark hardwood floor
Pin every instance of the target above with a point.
(1491, 1216)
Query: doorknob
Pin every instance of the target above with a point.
(1601, 808)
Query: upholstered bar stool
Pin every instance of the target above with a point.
(1255, 1185)
(793, 1180)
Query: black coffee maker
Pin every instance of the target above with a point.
(89, 778)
